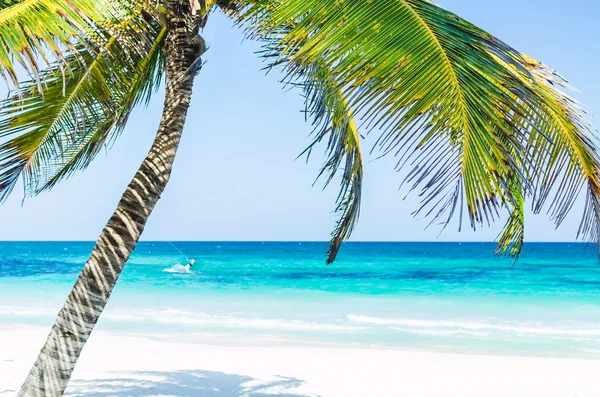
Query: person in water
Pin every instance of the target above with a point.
(178, 268)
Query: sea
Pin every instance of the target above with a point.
(444, 297)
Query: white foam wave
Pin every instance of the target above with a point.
(176, 316)
(441, 332)
(469, 325)
(28, 310)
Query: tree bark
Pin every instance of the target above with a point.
(53, 368)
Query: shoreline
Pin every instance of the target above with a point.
(227, 341)
(114, 365)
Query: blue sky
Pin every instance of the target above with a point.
(236, 177)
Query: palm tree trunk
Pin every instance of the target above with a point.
(56, 361)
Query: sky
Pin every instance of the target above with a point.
(236, 176)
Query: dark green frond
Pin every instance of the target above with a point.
(334, 122)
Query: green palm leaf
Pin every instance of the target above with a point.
(513, 235)
(475, 121)
(572, 162)
(34, 30)
(333, 121)
(62, 130)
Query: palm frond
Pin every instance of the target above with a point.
(571, 162)
(33, 31)
(465, 112)
(333, 121)
(512, 237)
(61, 130)
(421, 76)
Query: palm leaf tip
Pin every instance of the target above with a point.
(333, 121)
(512, 237)
(570, 159)
(349, 198)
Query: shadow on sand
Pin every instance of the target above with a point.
(185, 384)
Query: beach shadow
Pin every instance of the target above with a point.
(184, 384)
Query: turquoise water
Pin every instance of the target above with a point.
(452, 297)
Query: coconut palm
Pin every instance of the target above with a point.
(478, 126)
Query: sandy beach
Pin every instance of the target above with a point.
(113, 365)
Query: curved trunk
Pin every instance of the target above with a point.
(75, 322)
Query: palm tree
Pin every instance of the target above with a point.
(475, 121)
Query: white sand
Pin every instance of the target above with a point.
(113, 365)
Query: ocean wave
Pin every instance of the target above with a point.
(28, 310)
(440, 332)
(182, 317)
(470, 325)
(176, 316)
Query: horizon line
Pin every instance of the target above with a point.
(299, 241)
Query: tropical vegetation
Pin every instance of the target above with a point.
(477, 126)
